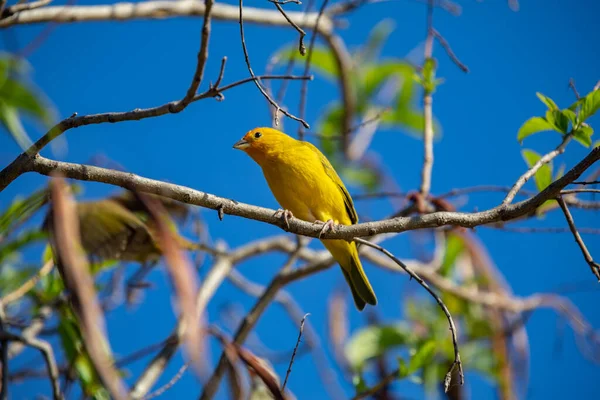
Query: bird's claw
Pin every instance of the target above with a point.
(328, 226)
(286, 215)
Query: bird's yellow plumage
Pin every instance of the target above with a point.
(304, 183)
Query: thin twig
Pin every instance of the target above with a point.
(202, 57)
(449, 51)
(594, 266)
(256, 81)
(456, 363)
(379, 386)
(535, 167)
(586, 183)
(169, 384)
(285, 276)
(549, 229)
(48, 355)
(289, 370)
(304, 87)
(572, 86)
(28, 284)
(301, 47)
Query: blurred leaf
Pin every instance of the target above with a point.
(584, 135)
(322, 60)
(373, 341)
(359, 383)
(547, 101)
(24, 238)
(73, 347)
(329, 126)
(361, 175)
(11, 278)
(560, 172)
(543, 177)
(377, 37)
(21, 209)
(571, 116)
(10, 119)
(423, 356)
(590, 105)
(17, 98)
(533, 125)
(454, 247)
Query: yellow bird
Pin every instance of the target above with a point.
(306, 186)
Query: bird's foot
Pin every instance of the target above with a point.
(286, 215)
(328, 226)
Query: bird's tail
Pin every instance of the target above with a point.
(346, 254)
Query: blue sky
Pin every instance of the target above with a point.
(112, 66)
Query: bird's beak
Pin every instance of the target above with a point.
(241, 144)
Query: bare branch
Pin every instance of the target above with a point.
(284, 277)
(169, 384)
(304, 88)
(25, 6)
(301, 47)
(187, 195)
(28, 285)
(594, 266)
(159, 10)
(202, 57)
(48, 355)
(449, 51)
(256, 82)
(456, 363)
(535, 167)
(289, 370)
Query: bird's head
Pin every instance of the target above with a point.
(263, 143)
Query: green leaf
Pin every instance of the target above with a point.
(377, 37)
(21, 209)
(10, 119)
(559, 121)
(373, 341)
(571, 116)
(533, 125)
(322, 59)
(23, 98)
(547, 101)
(361, 175)
(9, 247)
(591, 104)
(454, 247)
(543, 177)
(423, 356)
(584, 135)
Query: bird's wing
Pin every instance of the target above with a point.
(330, 172)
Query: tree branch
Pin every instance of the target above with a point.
(594, 266)
(160, 10)
(187, 195)
(535, 167)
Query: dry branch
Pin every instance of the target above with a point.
(187, 195)
(160, 10)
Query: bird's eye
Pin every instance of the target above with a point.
(257, 135)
